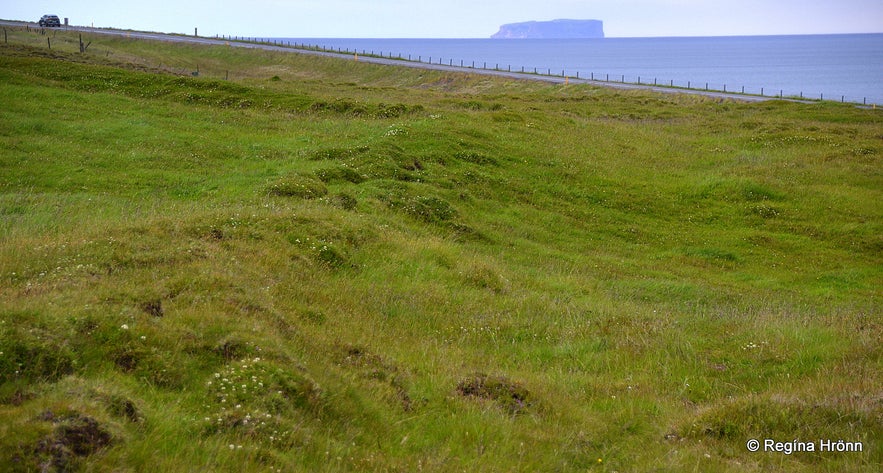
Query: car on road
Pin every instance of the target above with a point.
(49, 20)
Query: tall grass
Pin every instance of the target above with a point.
(324, 265)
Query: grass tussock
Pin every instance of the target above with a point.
(295, 263)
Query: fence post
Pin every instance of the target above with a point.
(47, 42)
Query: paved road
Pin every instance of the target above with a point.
(401, 63)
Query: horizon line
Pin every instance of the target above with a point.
(602, 38)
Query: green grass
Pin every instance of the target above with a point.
(326, 265)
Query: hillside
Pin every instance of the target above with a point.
(294, 263)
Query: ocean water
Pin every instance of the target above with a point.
(833, 67)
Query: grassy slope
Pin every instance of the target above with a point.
(329, 265)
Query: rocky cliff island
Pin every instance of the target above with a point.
(555, 29)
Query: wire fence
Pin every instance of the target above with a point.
(602, 77)
(466, 66)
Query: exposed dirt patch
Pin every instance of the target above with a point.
(231, 349)
(122, 407)
(152, 307)
(74, 435)
(376, 368)
(216, 234)
(126, 360)
(511, 396)
(17, 397)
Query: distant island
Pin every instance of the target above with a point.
(555, 29)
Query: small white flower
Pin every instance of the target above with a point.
(232, 447)
(124, 327)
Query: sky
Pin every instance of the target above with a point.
(458, 18)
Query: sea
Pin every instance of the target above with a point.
(846, 67)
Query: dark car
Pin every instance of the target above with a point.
(49, 20)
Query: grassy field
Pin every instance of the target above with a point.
(326, 265)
